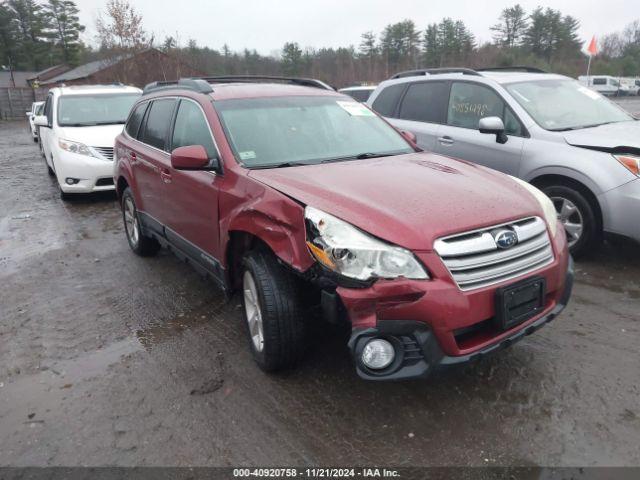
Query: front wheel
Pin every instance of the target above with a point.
(577, 217)
(139, 243)
(273, 311)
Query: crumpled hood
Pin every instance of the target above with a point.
(609, 137)
(97, 136)
(410, 200)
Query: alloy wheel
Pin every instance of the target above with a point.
(252, 311)
(570, 217)
(131, 222)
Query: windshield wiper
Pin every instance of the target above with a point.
(581, 127)
(277, 165)
(360, 156)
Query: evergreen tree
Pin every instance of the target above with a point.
(511, 27)
(291, 59)
(66, 28)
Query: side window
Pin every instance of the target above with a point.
(48, 109)
(135, 119)
(385, 103)
(599, 81)
(469, 102)
(425, 102)
(158, 123)
(191, 128)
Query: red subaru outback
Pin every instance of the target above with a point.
(294, 194)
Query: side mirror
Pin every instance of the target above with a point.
(493, 126)
(410, 136)
(193, 157)
(41, 121)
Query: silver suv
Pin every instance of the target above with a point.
(578, 147)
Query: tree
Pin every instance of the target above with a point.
(66, 28)
(550, 34)
(121, 31)
(291, 59)
(369, 51)
(511, 27)
(9, 38)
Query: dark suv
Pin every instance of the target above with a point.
(296, 195)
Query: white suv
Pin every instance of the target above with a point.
(78, 128)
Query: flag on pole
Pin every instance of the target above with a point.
(593, 47)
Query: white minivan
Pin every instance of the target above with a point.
(78, 128)
(605, 84)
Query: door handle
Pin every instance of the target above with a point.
(446, 140)
(133, 157)
(165, 175)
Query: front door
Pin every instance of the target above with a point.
(192, 196)
(460, 137)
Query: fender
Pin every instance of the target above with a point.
(562, 171)
(275, 219)
(123, 170)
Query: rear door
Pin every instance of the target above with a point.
(460, 137)
(152, 161)
(192, 196)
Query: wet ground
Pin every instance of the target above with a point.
(110, 359)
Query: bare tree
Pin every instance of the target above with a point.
(120, 29)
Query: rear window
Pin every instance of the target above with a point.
(386, 102)
(133, 124)
(359, 95)
(158, 122)
(425, 102)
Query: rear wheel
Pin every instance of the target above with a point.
(577, 217)
(139, 243)
(273, 311)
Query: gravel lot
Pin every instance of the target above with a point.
(110, 359)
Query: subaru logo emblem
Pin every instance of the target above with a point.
(506, 239)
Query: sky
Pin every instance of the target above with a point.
(265, 25)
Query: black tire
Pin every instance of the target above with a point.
(140, 244)
(35, 139)
(591, 235)
(281, 308)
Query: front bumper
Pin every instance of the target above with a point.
(435, 324)
(94, 174)
(622, 207)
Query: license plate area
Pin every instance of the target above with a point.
(519, 302)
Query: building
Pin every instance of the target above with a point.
(131, 69)
(11, 79)
(44, 75)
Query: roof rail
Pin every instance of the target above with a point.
(435, 71)
(194, 84)
(515, 68)
(305, 82)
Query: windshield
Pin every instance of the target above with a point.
(86, 110)
(282, 131)
(565, 105)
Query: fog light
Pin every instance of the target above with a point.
(378, 354)
(71, 181)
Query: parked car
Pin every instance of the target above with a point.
(359, 93)
(579, 148)
(31, 115)
(632, 84)
(298, 196)
(78, 127)
(605, 84)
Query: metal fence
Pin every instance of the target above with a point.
(14, 102)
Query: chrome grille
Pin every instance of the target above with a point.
(475, 260)
(106, 152)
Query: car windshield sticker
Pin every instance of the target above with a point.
(355, 109)
(248, 155)
(589, 93)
